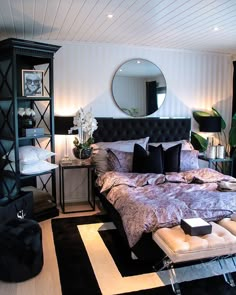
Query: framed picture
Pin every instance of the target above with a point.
(32, 82)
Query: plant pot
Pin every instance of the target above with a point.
(84, 153)
(26, 122)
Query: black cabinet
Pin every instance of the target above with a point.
(19, 60)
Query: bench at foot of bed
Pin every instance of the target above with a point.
(180, 247)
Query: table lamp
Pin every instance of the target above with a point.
(210, 124)
(62, 126)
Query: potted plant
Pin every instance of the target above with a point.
(85, 124)
(26, 119)
(200, 142)
(232, 136)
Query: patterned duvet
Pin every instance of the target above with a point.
(149, 201)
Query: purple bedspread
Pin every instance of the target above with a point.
(147, 202)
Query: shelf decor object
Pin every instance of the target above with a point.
(32, 82)
(26, 63)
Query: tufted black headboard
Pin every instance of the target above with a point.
(158, 129)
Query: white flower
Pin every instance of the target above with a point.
(29, 112)
(85, 123)
(21, 112)
(26, 112)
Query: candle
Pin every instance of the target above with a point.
(220, 152)
(211, 153)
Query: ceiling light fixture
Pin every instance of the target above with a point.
(215, 29)
(110, 15)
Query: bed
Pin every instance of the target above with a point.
(163, 131)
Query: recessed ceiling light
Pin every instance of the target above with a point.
(138, 62)
(216, 29)
(110, 15)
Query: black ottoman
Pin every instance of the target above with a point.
(21, 253)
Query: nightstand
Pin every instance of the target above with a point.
(77, 165)
(222, 165)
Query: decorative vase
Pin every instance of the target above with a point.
(26, 122)
(83, 153)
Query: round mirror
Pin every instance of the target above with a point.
(139, 87)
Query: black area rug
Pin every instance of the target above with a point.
(77, 275)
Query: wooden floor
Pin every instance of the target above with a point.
(47, 281)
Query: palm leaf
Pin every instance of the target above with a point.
(198, 142)
(232, 132)
(217, 114)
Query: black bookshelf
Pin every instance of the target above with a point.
(16, 57)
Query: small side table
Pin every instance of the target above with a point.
(77, 164)
(219, 164)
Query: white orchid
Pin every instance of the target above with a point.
(28, 112)
(86, 124)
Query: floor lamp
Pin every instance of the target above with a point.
(62, 126)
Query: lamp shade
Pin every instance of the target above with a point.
(63, 124)
(210, 124)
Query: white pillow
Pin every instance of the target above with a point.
(186, 145)
(121, 145)
(35, 168)
(30, 154)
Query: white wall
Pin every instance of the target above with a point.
(83, 73)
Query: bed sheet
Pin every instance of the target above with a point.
(150, 201)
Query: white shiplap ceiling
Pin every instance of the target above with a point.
(179, 24)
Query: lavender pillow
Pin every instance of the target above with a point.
(119, 161)
(189, 160)
(99, 156)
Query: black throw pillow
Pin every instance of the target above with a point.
(144, 162)
(172, 158)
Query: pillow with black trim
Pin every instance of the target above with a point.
(171, 158)
(100, 157)
(119, 161)
(148, 162)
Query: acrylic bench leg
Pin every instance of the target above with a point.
(168, 264)
(227, 276)
(173, 280)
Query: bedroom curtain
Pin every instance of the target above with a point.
(234, 111)
(234, 89)
(151, 97)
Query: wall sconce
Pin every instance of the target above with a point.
(210, 124)
(62, 126)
